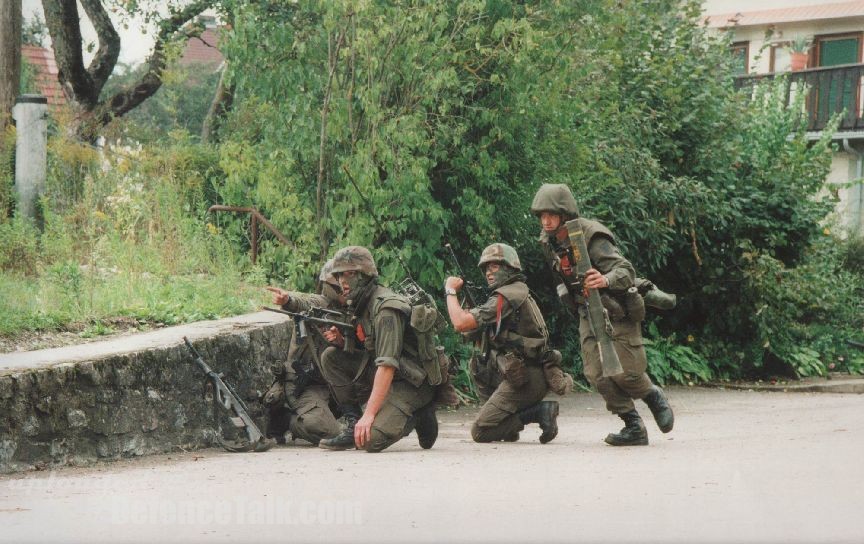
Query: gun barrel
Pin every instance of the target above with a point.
(197, 357)
(318, 320)
(468, 285)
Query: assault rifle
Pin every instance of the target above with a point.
(225, 396)
(307, 369)
(470, 287)
(315, 316)
(482, 344)
(598, 318)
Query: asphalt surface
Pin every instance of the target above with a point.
(740, 466)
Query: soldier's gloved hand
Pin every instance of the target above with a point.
(595, 280)
(280, 297)
(334, 336)
(454, 283)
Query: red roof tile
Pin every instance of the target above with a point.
(42, 60)
(838, 10)
(203, 50)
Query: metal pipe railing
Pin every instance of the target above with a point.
(255, 217)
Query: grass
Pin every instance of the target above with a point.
(59, 300)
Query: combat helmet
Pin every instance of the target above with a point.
(555, 198)
(326, 275)
(500, 253)
(354, 258)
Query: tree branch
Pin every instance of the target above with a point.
(126, 100)
(61, 16)
(109, 44)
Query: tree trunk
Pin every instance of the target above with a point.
(83, 85)
(222, 101)
(10, 57)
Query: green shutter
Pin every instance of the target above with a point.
(842, 91)
(834, 52)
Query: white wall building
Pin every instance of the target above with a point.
(765, 33)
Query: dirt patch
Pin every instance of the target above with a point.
(75, 333)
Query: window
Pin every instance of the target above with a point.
(741, 56)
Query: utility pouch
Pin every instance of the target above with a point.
(512, 368)
(614, 308)
(436, 367)
(634, 304)
(559, 382)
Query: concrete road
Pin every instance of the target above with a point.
(739, 467)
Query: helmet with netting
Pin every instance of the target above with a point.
(356, 258)
(500, 253)
(326, 275)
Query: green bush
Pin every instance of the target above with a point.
(671, 362)
(448, 116)
(19, 241)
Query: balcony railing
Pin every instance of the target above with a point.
(828, 91)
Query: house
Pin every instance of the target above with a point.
(203, 49)
(830, 36)
(41, 60)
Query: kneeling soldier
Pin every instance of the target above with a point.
(395, 386)
(299, 399)
(518, 338)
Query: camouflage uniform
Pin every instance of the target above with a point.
(512, 376)
(383, 338)
(308, 415)
(633, 383)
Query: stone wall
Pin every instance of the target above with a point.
(131, 396)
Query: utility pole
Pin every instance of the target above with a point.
(10, 57)
(31, 152)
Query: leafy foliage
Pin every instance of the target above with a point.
(448, 116)
(670, 361)
(180, 104)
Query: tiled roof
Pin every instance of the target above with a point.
(794, 14)
(203, 50)
(46, 73)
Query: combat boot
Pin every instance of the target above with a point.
(659, 405)
(426, 425)
(546, 414)
(345, 439)
(633, 433)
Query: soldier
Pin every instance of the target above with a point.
(613, 275)
(299, 399)
(381, 370)
(518, 337)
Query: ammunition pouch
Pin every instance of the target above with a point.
(426, 322)
(512, 368)
(445, 393)
(481, 371)
(412, 371)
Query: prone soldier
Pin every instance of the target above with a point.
(615, 278)
(519, 362)
(299, 399)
